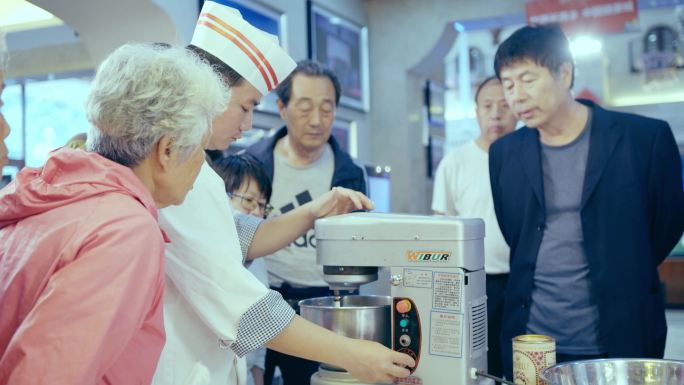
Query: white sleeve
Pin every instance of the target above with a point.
(444, 195)
(440, 191)
(204, 261)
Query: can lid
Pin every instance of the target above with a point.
(533, 338)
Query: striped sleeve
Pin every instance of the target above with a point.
(247, 226)
(263, 320)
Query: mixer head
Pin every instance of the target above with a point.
(349, 277)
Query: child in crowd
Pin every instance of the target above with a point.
(249, 190)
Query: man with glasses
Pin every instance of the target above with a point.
(304, 161)
(249, 204)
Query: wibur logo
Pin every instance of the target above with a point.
(428, 256)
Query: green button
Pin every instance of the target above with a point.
(403, 323)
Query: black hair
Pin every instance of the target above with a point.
(483, 84)
(546, 45)
(236, 169)
(230, 76)
(307, 68)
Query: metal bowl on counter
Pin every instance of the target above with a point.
(616, 372)
(366, 317)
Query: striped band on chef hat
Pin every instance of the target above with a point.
(253, 53)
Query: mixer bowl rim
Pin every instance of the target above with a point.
(303, 303)
(548, 380)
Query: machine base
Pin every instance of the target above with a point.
(330, 377)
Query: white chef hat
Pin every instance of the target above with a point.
(254, 54)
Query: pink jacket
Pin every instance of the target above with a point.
(81, 275)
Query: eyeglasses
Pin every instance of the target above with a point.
(249, 204)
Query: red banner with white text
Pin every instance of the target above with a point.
(584, 16)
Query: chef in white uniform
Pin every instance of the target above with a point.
(215, 310)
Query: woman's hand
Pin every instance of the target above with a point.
(372, 362)
(338, 201)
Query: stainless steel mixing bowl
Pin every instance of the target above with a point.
(616, 372)
(366, 317)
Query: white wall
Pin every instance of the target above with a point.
(669, 112)
(402, 32)
(183, 15)
(48, 50)
(104, 25)
(93, 29)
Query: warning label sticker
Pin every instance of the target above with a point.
(448, 291)
(418, 278)
(446, 334)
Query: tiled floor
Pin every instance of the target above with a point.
(674, 349)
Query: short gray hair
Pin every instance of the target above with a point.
(142, 92)
(310, 68)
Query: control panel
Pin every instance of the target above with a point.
(406, 326)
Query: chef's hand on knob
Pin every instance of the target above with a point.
(337, 201)
(372, 362)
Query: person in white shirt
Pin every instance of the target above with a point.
(214, 309)
(462, 188)
(249, 190)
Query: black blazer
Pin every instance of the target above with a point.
(632, 214)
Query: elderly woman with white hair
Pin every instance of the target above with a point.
(81, 271)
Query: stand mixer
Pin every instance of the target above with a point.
(437, 288)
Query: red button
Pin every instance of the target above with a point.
(403, 306)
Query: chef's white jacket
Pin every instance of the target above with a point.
(214, 309)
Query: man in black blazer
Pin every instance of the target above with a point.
(590, 202)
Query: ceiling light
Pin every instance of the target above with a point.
(582, 46)
(20, 15)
